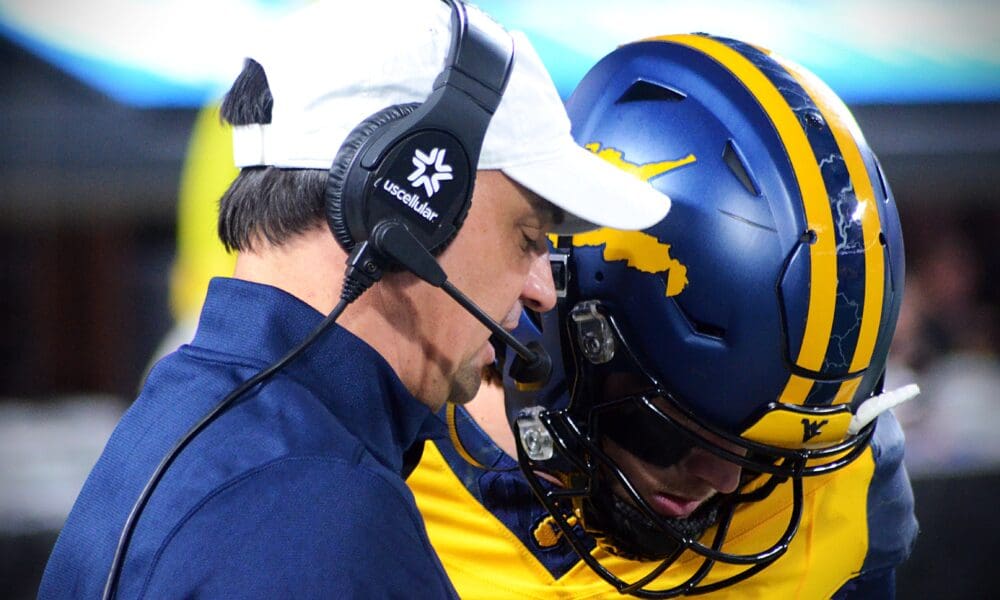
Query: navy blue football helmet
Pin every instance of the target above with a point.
(754, 321)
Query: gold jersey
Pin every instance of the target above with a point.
(496, 541)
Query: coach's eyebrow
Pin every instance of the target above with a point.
(550, 212)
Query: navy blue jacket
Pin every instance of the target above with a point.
(296, 491)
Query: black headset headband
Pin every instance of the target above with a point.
(477, 68)
(372, 180)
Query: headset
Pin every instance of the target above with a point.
(382, 225)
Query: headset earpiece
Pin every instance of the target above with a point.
(335, 211)
(414, 169)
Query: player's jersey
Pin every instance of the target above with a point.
(208, 171)
(497, 541)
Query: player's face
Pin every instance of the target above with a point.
(678, 489)
(499, 259)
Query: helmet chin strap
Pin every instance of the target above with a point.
(871, 408)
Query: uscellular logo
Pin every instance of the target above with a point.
(423, 176)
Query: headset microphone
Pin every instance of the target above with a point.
(392, 239)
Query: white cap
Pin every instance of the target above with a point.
(332, 64)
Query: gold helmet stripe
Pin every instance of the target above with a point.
(818, 213)
(847, 133)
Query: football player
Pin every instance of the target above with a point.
(716, 422)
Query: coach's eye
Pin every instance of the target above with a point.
(531, 245)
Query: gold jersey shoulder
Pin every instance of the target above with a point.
(485, 560)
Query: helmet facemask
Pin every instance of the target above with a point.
(618, 407)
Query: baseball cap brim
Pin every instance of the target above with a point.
(593, 192)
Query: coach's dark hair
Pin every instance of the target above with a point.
(265, 203)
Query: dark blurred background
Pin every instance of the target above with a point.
(93, 140)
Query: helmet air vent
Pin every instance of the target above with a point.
(702, 328)
(734, 160)
(709, 330)
(881, 180)
(648, 91)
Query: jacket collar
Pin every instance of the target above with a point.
(258, 324)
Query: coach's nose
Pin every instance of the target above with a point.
(539, 292)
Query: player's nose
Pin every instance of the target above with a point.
(721, 474)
